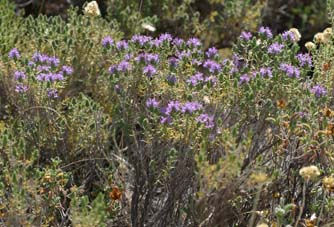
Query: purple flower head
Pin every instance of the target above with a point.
(149, 70)
(147, 58)
(173, 62)
(56, 76)
(166, 120)
(165, 37)
(266, 72)
(107, 41)
(211, 52)
(183, 54)
(171, 79)
(207, 120)
(20, 88)
(288, 36)
(112, 69)
(172, 106)
(318, 91)
(190, 107)
(238, 63)
(43, 68)
(53, 61)
(304, 60)
(244, 79)
(123, 66)
(290, 70)
(212, 66)
(128, 57)
(19, 75)
(152, 103)
(195, 79)
(156, 42)
(14, 53)
(178, 42)
(141, 40)
(122, 45)
(275, 48)
(246, 36)
(194, 42)
(52, 93)
(67, 70)
(266, 32)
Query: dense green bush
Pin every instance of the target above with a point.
(98, 130)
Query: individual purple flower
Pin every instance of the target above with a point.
(266, 72)
(290, 70)
(194, 42)
(190, 107)
(14, 53)
(211, 52)
(288, 36)
(43, 68)
(52, 93)
(318, 91)
(246, 36)
(112, 69)
(173, 62)
(172, 106)
(304, 60)
(149, 70)
(206, 119)
(20, 88)
(166, 37)
(107, 42)
(122, 45)
(171, 79)
(244, 79)
(178, 42)
(212, 66)
(275, 48)
(67, 70)
(19, 75)
(152, 103)
(195, 79)
(266, 32)
(166, 120)
(141, 40)
(123, 66)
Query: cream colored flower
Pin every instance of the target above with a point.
(148, 27)
(296, 34)
(328, 183)
(320, 38)
(328, 30)
(310, 46)
(92, 9)
(262, 225)
(309, 172)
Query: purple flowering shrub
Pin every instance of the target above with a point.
(161, 131)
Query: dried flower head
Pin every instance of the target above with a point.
(310, 46)
(148, 27)
(92, 9)
(328, 183)
(320, 38)
(115, 194)
(262, 225)
(309, 172)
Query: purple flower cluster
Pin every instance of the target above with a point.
(290, 70)
(52, 93)
(238, 63)
(178, 42)
(166, 37)
(67, 70)
(148, 58)
(19, 75)
(123, 66)
(52, 77)
(107, 41)
(246, 36)
(152, 103)
(21, 88)
(190, 107)
(288, 36)
(196, 79)
(244, 79)
(212, 66)
(211, 52)
(194, 42)
(45, 59)
(149, 71)
(266, 32)
(275, 48)
(14, 53)
(173, 62)
(304, 60)
(172, 106)
(318, 91)
(266, 72)
(141, 40)
(122, 45)
(206, 119)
